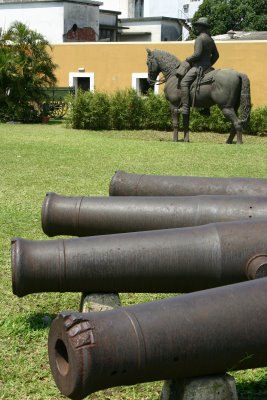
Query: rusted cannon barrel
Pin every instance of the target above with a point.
(124, 184)
(171, 260)
(197, 334)
(89, 216)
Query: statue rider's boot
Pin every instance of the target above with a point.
(185, 100)
(185, 110)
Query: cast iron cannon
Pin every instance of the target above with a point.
(89, 216)
(124, 184)
(197, 334)
(171, 260)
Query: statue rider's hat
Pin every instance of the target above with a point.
(202, 21)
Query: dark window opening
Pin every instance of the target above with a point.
(139, 9)
(144, 86)
(106, 34)
(83, 83)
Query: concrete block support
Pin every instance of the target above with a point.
(99, 302)
(217, 387)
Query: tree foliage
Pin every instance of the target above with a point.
(239, 15)
(25, 69)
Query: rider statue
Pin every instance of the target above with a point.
(205, 55)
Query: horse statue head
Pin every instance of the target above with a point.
(160, 61)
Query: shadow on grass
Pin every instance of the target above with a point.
(252, 390)
(40, 321)
(56, 122)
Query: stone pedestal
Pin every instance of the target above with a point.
(217, 387)
(99, 302)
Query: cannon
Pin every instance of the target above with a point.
(125, 184)
(170, 260)
(89, 216)
(197, 334)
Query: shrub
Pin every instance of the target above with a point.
(157, 114)
(99, 112)
(126, 110)
(216, 122)
(258, 121)
(77, 109)
(89, 110)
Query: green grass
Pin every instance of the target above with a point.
(35, 159)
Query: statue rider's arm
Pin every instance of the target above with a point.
(215, 55)
(197, 51)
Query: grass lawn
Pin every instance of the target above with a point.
(35, 159)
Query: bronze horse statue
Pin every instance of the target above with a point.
(227, 88)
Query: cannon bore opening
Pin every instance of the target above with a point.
(62, 358)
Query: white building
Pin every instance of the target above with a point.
(153, 8)
(122, 6)
(187, 8)
(183, 10)
(150, 29)
(59, 21)
(87, 20)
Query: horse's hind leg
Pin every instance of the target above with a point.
(232, 135)
(230, 114)
(175, 122)
(186, 127)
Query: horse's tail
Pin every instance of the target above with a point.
(245, 100)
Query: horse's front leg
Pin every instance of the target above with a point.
(186, 127)
(175, 122)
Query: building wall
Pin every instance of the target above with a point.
(166, 8)
(84, 16)
(113, 64)
(53, 20)
(159, 29)
(171, 31)
(153, 27)
(141, 37)
(116, 5)
(108, 23)
(152, 8)
(187, 8)
(45, 18)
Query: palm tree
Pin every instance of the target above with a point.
(26, 68)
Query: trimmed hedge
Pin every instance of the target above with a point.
(126, 110)
(157, 113)
(89, 110)
(258, 121)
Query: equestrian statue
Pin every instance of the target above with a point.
(200, 85)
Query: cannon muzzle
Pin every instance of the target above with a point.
(89, 216)
(171, 260)
(197, 334)
(124, 184)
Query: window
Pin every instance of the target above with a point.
(107, 35)
(83, 83)
(140, 84)
(82, 80)
(139, 9)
